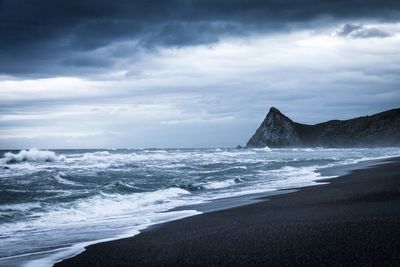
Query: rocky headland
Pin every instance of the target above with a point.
(277, 130)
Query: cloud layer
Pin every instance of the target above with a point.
(44, 38)
(206, 95)
(80, 74)
(359, 31)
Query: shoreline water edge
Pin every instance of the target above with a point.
(228, 203)
(58, 254)
(163, 236)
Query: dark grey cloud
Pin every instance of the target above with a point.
(359, 31)
(369, 33)
(87, 61)
(47, 37)
(348, 29)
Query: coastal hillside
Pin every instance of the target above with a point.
(277, 130)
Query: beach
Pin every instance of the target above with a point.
(199, 133)
(351, 220)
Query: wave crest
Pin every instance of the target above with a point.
(220, 184)
(33, 155)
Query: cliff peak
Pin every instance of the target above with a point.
(274, 115)
(274, 110)
(275, 130)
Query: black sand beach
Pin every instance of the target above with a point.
(354, 220)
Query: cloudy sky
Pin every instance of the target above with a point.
(183, 73)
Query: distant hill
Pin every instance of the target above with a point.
(277, 130)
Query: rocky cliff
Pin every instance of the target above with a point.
(277, 130)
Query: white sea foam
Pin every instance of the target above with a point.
(20, 206)
(100, 208)
(234, 153)
(154, 158)
(57, 255)
(17, 169)
(292, 177)
(156, 151)
(60, 177)
(102, 153)
(266, 148)
(33, 155)
(219, 184)
(103, 217)
(106, 202)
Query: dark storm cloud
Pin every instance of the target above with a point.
(87, 61)
(370, 33)
(348, 29)
(359, 31)
(45, 37)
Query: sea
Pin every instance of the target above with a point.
(53, 203)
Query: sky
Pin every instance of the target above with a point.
(185, 73)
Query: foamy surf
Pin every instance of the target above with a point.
(220, 184)
(66, 199)
(33, 155)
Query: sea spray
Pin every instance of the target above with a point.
(34, 155)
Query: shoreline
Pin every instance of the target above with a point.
(50, 257)
(89, 255)
(326, 173)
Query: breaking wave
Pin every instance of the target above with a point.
(103, 207)
(51, 199)
(220, 184)
(32, 155)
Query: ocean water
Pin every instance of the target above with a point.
(53, 203)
